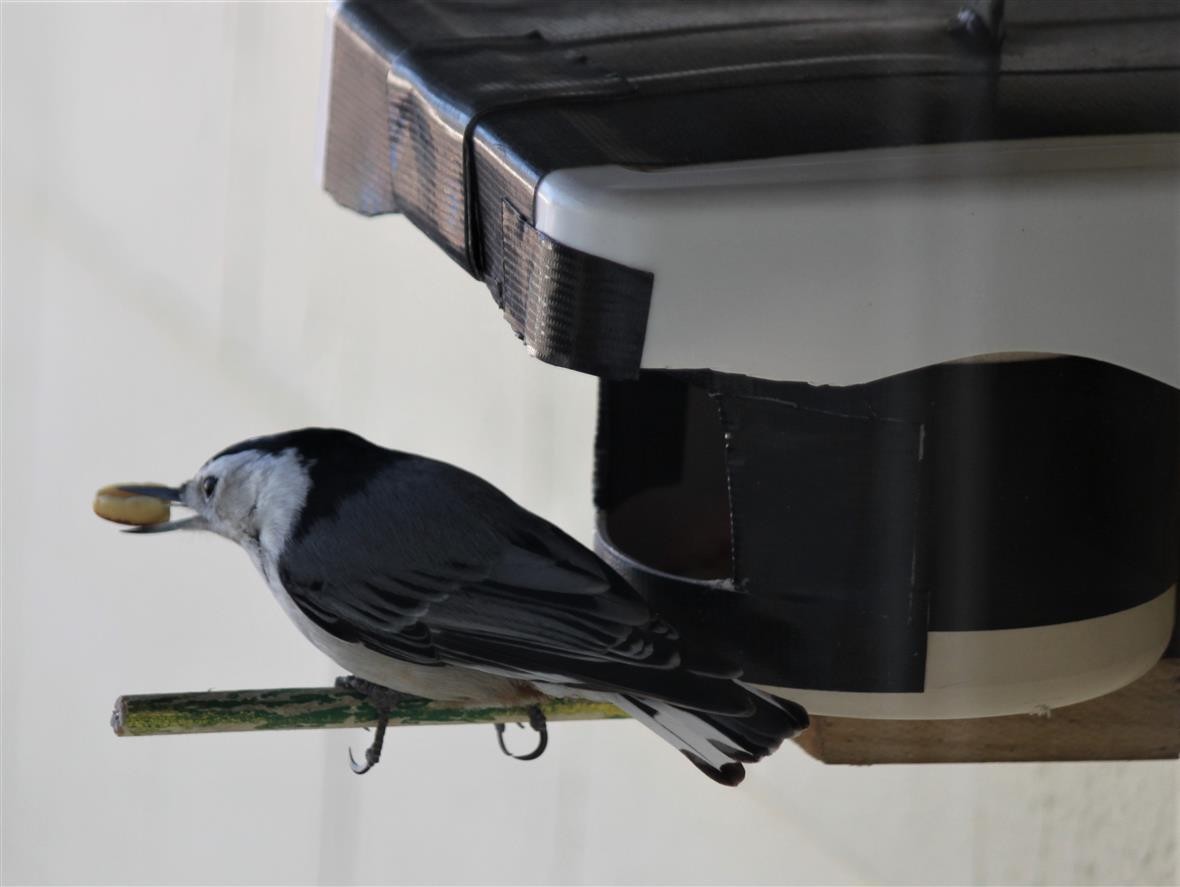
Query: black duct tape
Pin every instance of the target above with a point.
(953, 498)
(572, 309)
(447, 70)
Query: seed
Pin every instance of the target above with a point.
(115, 504)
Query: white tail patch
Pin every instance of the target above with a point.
(685, 730)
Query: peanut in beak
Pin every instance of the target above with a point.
(115, 504)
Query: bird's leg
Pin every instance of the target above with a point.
(381, 698)
(538, 723)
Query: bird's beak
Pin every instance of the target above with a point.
(189, 523)
(155, 491)
(174, 495)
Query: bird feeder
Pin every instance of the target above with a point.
(884, 304)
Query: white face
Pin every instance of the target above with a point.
(253, 498)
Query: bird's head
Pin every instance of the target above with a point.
(252, 493)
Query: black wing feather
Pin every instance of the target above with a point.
(433, 565)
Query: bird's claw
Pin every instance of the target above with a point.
(373, 752)
(538, 723)
(381, 698)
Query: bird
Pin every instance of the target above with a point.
(421, 578)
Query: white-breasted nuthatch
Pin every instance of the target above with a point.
(420, 577)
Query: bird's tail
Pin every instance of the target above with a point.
(720, 744)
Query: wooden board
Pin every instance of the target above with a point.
(1139, 722)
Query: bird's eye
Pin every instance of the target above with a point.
(208, 485)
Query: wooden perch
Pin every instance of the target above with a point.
(314, 708)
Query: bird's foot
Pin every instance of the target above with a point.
(373, 752)
(381, 698)
(538, 723)
(384, 700)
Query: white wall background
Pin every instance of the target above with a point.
(173, 281)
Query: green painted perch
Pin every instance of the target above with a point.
(314, 708)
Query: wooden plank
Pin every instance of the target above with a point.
(1139, 722)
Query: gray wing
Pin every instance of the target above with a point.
(430, 564)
